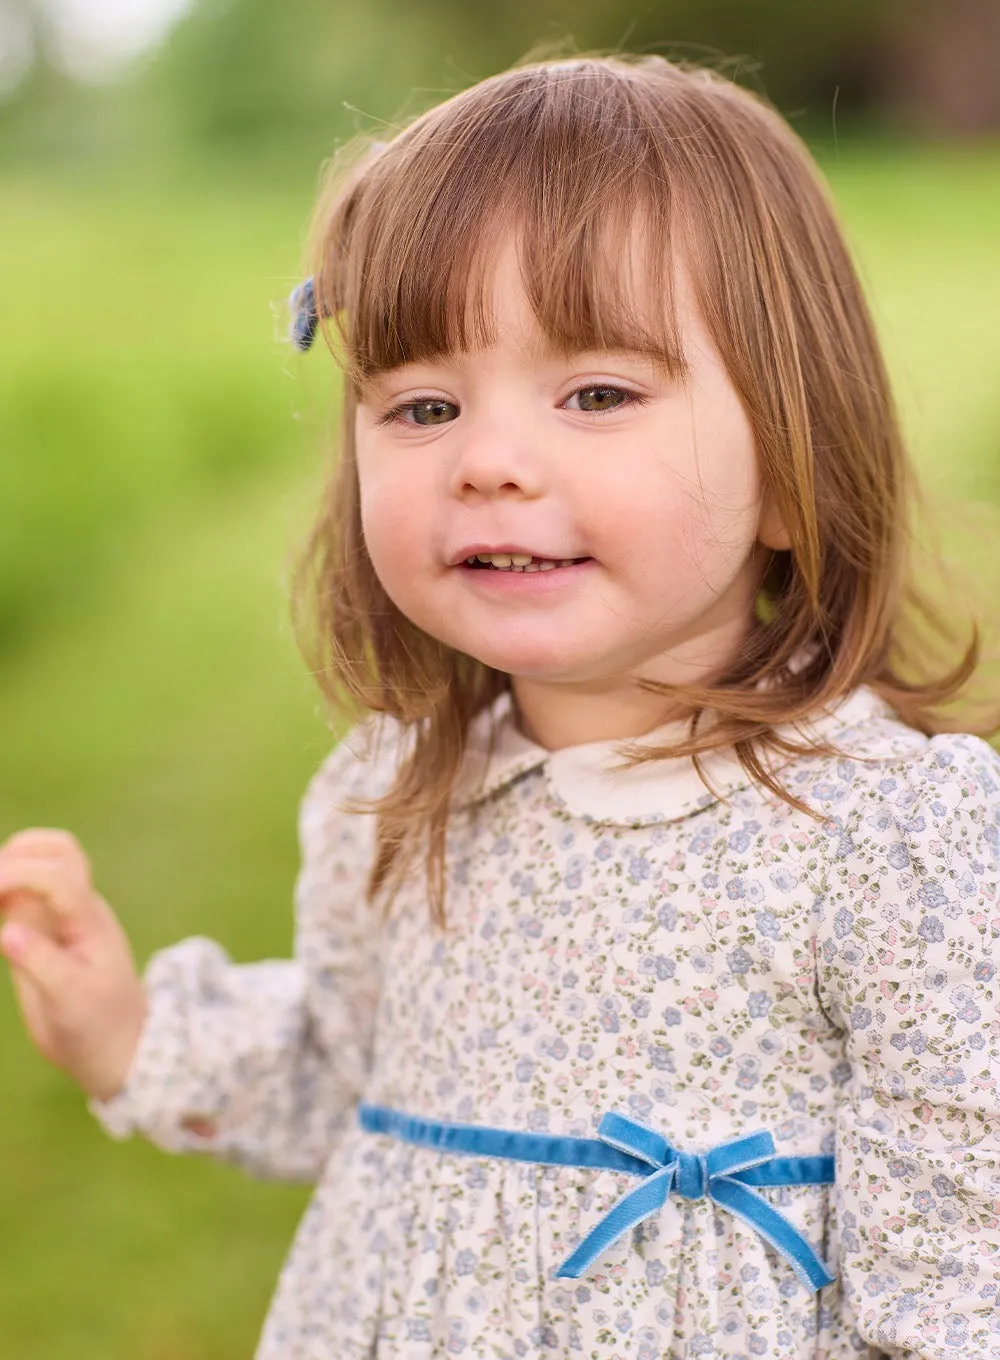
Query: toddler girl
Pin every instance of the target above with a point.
(643, 1001)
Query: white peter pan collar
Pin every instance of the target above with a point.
(584, 778)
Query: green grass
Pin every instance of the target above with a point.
(160, 460)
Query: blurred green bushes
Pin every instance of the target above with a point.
(140, 368)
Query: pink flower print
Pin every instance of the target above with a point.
(895, 1224)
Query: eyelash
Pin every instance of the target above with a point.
(631, 399)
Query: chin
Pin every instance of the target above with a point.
(527, 661)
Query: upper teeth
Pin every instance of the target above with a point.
(519, 561)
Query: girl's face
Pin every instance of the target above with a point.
(648, 485)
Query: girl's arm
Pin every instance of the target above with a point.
(909, 964)
(260, 1063)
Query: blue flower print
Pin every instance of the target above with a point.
(640, 1104)
(965, 1007)
(931, 929)
(898, 856)
(667, 916)
(843, 923)
(659, 965)
(945, 1076)
(661, 1058)
(768, 925)
(671, 1016)
(458, 1336)
(740, 961)
(758, 1004)
(932, 895)
(749, 1073)
(639, 868)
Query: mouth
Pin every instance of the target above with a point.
(518, 562)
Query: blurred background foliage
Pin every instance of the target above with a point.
(161, 450)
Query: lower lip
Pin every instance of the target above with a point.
(494, 581)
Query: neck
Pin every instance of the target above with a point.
(575, 717)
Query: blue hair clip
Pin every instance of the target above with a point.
(305, 317)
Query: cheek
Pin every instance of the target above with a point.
(696, 522)
(391, 522)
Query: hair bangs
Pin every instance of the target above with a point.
(409, 247)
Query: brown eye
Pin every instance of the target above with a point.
(430, 412)
(601, 398)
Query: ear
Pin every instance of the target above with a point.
(771, 530)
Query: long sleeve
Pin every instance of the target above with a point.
(260, 1063)
(908, 961)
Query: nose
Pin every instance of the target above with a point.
(496, 461)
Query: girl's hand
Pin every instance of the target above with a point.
(73, 971)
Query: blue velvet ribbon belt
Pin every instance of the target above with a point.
(726, 1174)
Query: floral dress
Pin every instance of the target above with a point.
(704, 964)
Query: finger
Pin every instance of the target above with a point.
(34, 957)
(46, 842)
(63, 891)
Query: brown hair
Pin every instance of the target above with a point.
(574, 154)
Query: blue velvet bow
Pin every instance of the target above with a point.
(305, 316)
(725, 1174)
(722, 1174)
